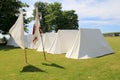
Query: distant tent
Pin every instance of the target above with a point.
(63, 41)
(11, 42)
(89, 43)
(48, 39)
(28, 42)
(40, 46)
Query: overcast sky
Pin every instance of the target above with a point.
(100, 14)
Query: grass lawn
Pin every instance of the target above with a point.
(57, 67)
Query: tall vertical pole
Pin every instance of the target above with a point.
(40, 31)
(26, 56)
(43, 46)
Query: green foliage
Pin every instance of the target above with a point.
(42, 8)
(54, 18)
(9, 11)
(70, 20)
(58, 67)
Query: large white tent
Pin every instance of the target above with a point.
(89, 43)
(63, 41)
(77, 44)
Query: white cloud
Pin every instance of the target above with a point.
(86, 8)
(93, 8)
(106, 10)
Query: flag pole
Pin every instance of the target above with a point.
(26, 56)
(43, 45)
(40, 30)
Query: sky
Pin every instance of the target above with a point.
(97, 14)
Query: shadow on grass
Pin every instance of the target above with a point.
(31, 68)
(106, 55)
(53, 65)
(6, 48)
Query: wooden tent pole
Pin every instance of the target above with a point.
(26, 56)
(43, 47)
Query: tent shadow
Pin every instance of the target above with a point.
(53, 65)
(31, 68)
(6, 47)
(105, 55)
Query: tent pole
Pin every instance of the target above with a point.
(26, 56)
(43, 46)
(40, 31)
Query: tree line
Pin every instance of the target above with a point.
(53, 17)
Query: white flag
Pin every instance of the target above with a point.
(17, 31)
(36, 28)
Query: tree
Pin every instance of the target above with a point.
(9, 12)
(70, 20)
(54, 18)
(42, 8)
(54, 15)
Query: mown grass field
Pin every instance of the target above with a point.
(57, 67)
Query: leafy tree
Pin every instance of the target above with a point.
(42, 8)
(70, 19)
(54, 15)
(53, 18)
(9, 12)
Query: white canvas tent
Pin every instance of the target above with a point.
(40, 46)
(28, 42)
(63, 41)
(48, 39)
(11, 42)
(89, 43)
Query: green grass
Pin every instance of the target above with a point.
(57, 67)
